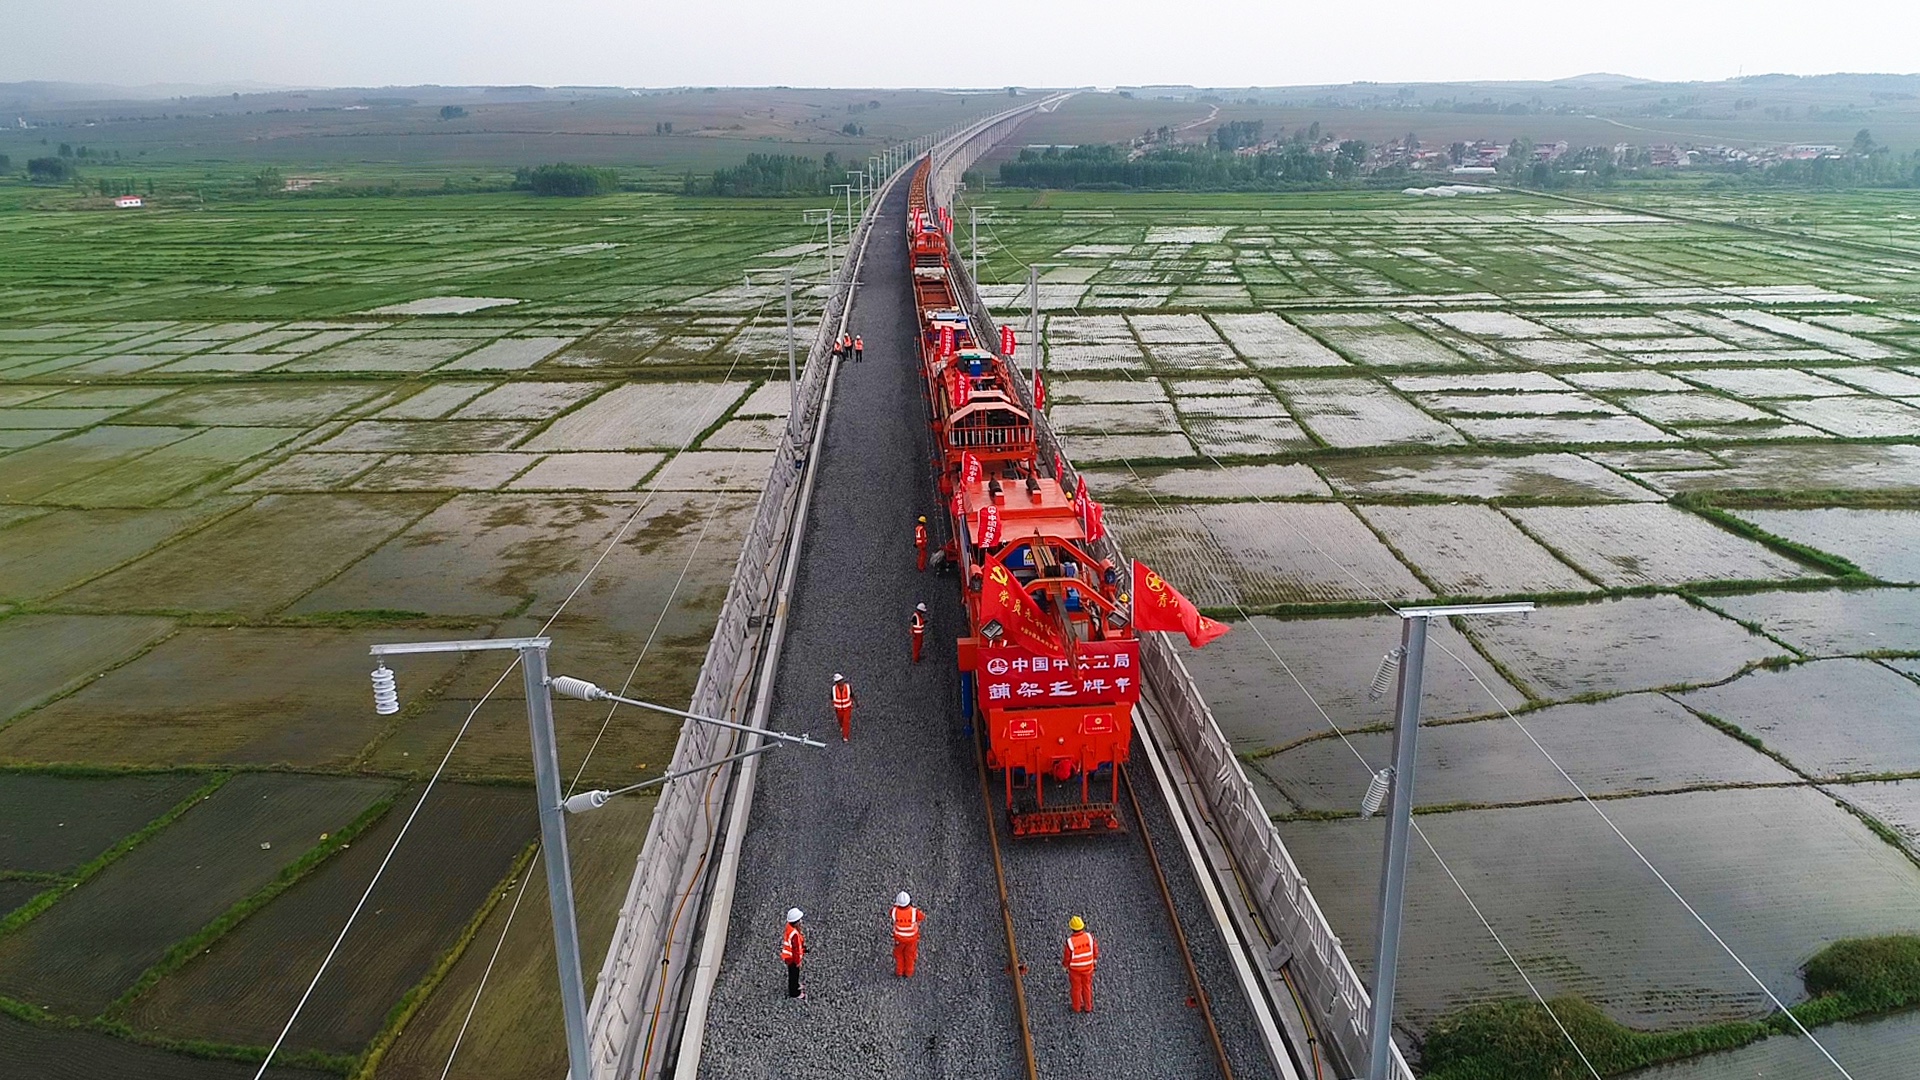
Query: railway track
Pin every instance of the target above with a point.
(1017, 969)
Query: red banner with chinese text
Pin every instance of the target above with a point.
(1100, 672)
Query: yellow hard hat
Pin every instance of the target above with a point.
(1076, 923)
(923, 519)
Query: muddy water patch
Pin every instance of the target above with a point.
(1530, 476)
(1878, 1049)
(51, 654)
(641, 416)
(1266, 340)
(57, 551)
(1636, 744)
(1472, 551)
(1633, 643)
(1829, 718)
(588, 471)
(1884, 543)
(1833, 622)
(1818, 467)
(1360, 412)
(259, 559)
(1259, 706)
(33, 472)
(1565, 893)
(1228, 482)
(173, 468)
(1653, 544)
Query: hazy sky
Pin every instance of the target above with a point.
(869, 43)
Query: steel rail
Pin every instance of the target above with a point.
(1014, 967)
(1179, 932)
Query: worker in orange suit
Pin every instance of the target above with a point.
(793, 949)
(859, 348)
(906, 935)
(843, 705)
(1079, 958)
(920, 542)
(918, 625)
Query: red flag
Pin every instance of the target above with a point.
(1096, 528)
(946, 340)
(1157, 605)
(988, 534)
(970, 469)
(1006, 340)
(1003, 600)
(960, 389)
(959, 508)
(1080, 497)
(1039, 391)
(1059, 467)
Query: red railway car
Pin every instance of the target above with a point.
(1050, 666)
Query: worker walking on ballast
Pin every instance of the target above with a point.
(793, 949)
(920, 543)
(906, 935)
(843, 705)
(1079, 958)
(918, 626)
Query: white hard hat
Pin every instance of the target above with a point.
(920, 606)
(837, 677)
(902, 900)
(794, 914)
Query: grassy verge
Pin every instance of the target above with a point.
(200, 1048)
(193, 946)
(403, 1011)
(32, 908)
(1519, 1040)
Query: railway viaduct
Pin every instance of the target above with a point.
(1199, 888)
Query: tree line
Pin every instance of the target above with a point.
(1292, 165)
(771, 175)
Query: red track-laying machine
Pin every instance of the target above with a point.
(1051, 666)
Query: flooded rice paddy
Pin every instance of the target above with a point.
(1545, 426)
(213, 499)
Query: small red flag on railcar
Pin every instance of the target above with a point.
(1039, 391)
(988, 534)
(1080, 497)
(1006, 341)
(1096, 526)
(1157, 605)
(970, 470)
(1059, 467)
(1005, 602)
(946, 220)
(961, 390)
(946, 340)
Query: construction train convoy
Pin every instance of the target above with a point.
(1050, 666)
